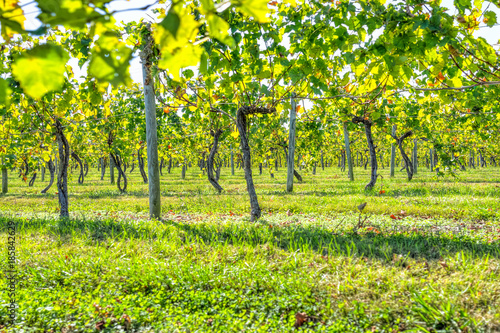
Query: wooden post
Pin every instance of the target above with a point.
(431, 158)
(393, 152)
(5, 180)
(348, 152)
(111, 169)
(291, 145)
(151, 131)
(184, 168)
(415, 156)
(232, 160)
(322, 161)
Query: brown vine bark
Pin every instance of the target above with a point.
(62, 175)
(52, 170)
(371, 147)
(210, 161)
(121, 173)
(241, 123)
(140, 160)
(103, 168)
(82, 173)
(408, 165)
(32, 180)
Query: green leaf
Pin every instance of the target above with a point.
(204, 63)
(110, 61)
(41, 69)
(4, 92)
(171, 22)
(376, 115)
(218, 28)
(254, 8)
(490, 18)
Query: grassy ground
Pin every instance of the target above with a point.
(313, 262)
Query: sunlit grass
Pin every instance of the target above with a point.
(433, 266)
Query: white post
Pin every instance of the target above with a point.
(291, 144)
(393, 152)
(348, 152)
(151, 131)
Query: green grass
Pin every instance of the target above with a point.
(206, 268)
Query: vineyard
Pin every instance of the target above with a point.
(283, 166)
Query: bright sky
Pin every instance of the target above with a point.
(492, 35)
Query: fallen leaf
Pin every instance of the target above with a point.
(99, 325)
(300, 319)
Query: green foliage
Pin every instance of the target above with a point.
(41, 69)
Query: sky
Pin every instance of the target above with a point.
(492, 35)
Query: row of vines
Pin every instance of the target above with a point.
(255, 85)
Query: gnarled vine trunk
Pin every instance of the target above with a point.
(103, 168)
(140, 160)
(62, 175)
(241, 123)
(82, 173)
(121, 173)
(371, 148)
(32, 180)
(210, 161)
(408, 163)
(52, 170)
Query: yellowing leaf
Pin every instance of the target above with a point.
(41, 69)
(189, 55)
(12, 18)
(456, 82)
(235, 135)
(254, 8)
(359, 69)
(176, 30)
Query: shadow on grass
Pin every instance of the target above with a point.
(291, 238)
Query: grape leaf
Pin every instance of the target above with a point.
(41, 69)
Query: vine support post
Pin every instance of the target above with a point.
(183, 173)
(393, 152)
(42, 169)
(5, 180)
(415, 156)
(111, 169)
(232, 160)
(151, 131)
(431, 160)
(348, 152)
(291, 145)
